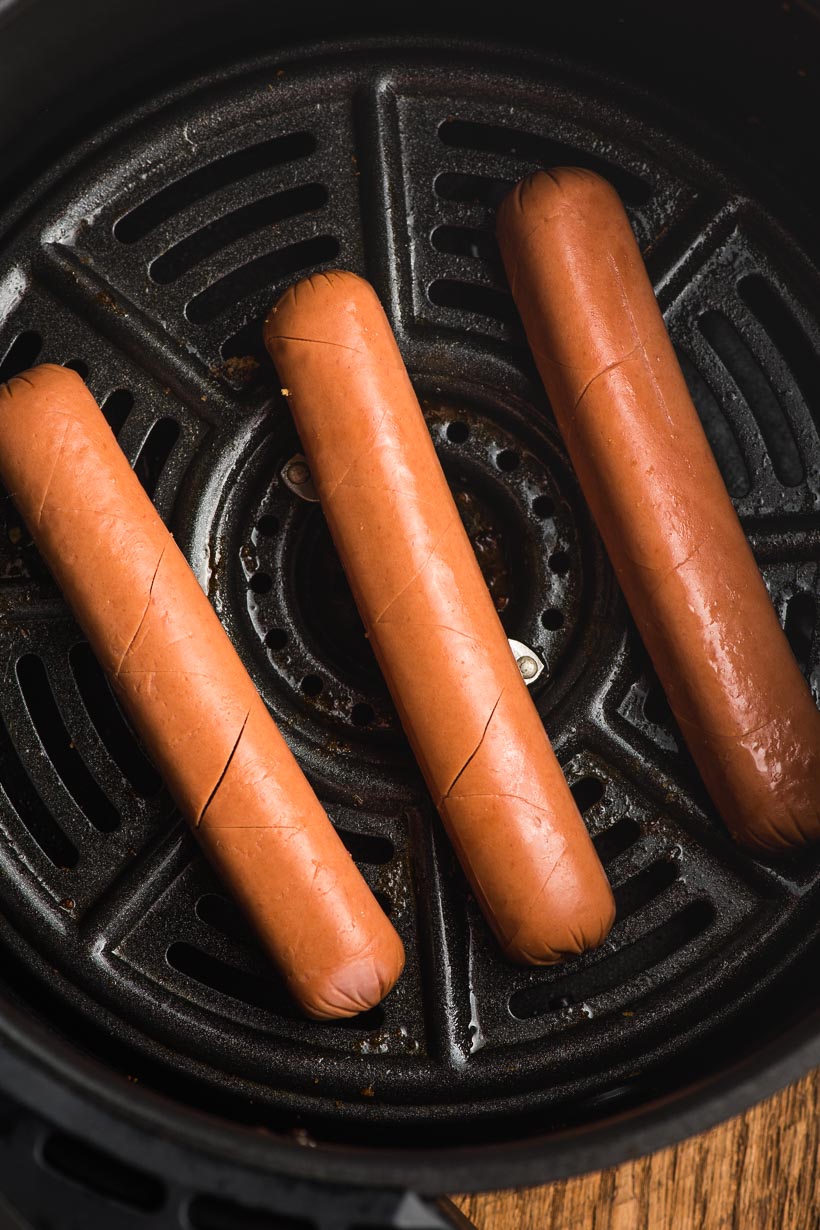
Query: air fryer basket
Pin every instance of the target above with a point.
(146, 259)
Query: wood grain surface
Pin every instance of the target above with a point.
(760, 1171)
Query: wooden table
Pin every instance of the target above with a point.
(760, 1171)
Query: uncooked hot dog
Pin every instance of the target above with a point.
(649, 476)
(190, 698)
(472, 724)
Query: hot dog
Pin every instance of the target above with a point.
(473, 726)
(190, 698)
(672, 534)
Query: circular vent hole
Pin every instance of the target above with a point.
(458, 432)
(312, 685)
(543, 506)
(277, 638)
(362, 714)
(268, 525)
(553, 619)
(559, 563)
(260, 583)
(78, 366)
(507, 460)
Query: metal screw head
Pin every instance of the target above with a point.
(529, 663)
(297, 478)
(528, 667)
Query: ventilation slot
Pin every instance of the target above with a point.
(801, 357)
(21, 354)
(367, 848)
(30, 809)
(528, 147)
(612, 842)
(611, 972)
(234, 226)
(750, 379)
(472, 189)
(587, 791)
(264, 272)
(116, 408)
(468, 241)
(191, 188)
(155, 452)
(801, 617)
(640, 889)
(246, 346)
(99, 1172)
(106, 717)
(470, 297)
(722, 439)
(212, 1213)
(656, 707)
(59, 747)
(258, 991)
(223, 916)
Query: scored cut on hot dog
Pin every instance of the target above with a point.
(432, 624)
(650, 478)
(190, 698)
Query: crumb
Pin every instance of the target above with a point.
(285, 392)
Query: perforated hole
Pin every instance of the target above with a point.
(801, 617)
(311, 685)
(656, 706)
(260, 583)
(276, 639)
(234, 226)
(362, 714)
(472, 297)
(748, 375)
(116, 408)
(493, 138)
(79, 366)
(367, 847)
(788, 336)
(21, 354)
(507, 460)
(458, 432)
(613, 841)
(183, 192)
(642, 888)
(268, 525)
(472, 189)
(260, 274)
(101, 1172)
(553, 619)
(217, 912)
(30, 808)
(719, 433)
(155, 452)
(467, 241)
(543, 506)
(587, 791)
(59, 746)
(114, 732)
(559, 563)
(613, 971)
(258, 991)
